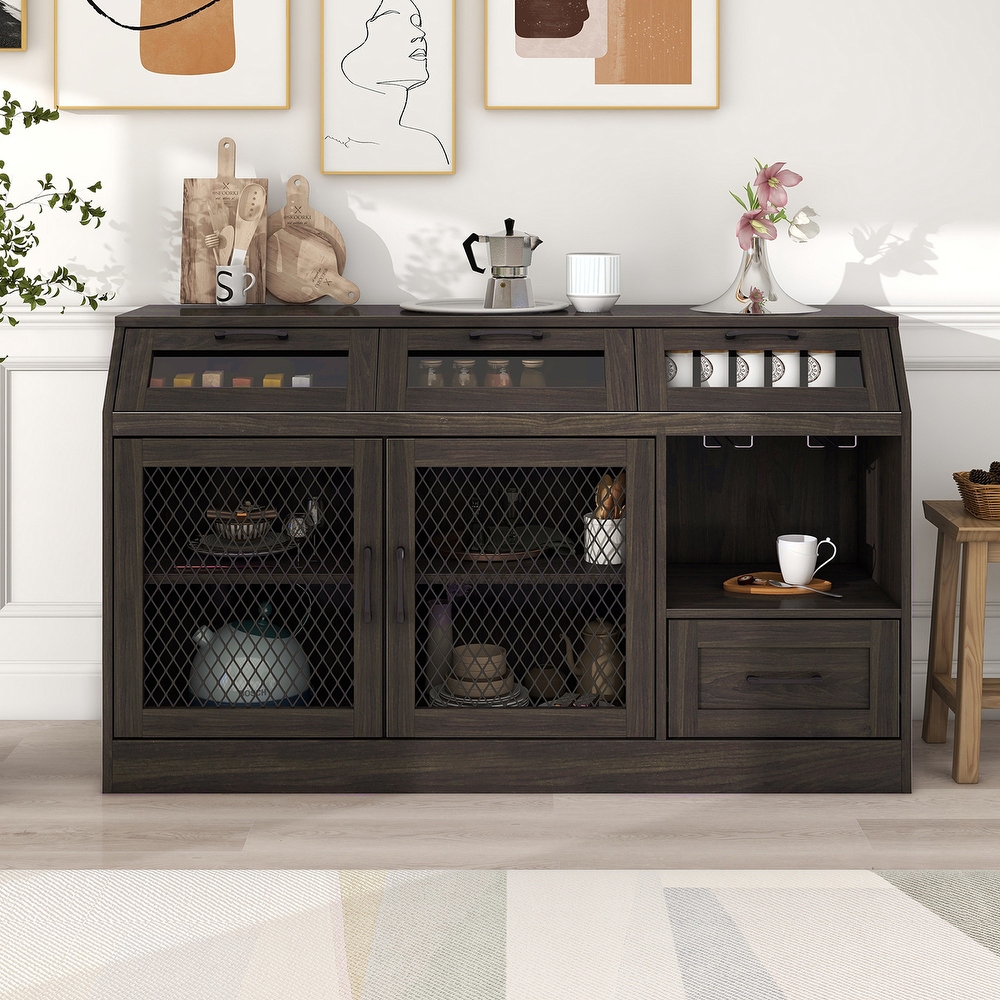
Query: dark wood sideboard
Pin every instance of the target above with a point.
(414, 497)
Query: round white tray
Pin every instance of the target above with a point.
(476, 306)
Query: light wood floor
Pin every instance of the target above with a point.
(53, 815)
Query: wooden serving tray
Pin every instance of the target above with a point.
(732, 587)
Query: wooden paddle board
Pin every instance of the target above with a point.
(209, 205)
(730, 586)
(298, 212)
(306, 252)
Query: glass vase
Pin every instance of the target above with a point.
(754, 290)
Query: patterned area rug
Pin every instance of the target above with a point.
(496, 935)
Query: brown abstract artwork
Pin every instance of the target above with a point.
(631, 41)
(179, 41)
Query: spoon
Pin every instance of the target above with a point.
(249, 209)
(796, 586)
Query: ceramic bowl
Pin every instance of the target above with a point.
(464, 688)
(592, 303)
(545, 682)
(478, 662)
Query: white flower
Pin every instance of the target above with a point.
(801, 227)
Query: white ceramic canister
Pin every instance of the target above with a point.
(715, 369)
(822, 368)
(750, 369)
(785, 369)
(680, 369)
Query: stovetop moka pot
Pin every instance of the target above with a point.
(509, 286)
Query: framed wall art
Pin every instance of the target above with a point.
(13, 26)
(179, 54)
(602, 54)
(388, 91)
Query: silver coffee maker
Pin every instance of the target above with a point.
(509, 287)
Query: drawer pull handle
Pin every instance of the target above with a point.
(400, 609)
(790, 334)
(367, 613)
(755, 679)
(222, 334)
(535, 334)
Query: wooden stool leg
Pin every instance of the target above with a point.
(942, 643)
(969, 687)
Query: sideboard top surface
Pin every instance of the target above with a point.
(388, 316)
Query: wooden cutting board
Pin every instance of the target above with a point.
(306, 252)
(210, 204)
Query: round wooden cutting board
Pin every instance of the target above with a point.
(730, 586)
(306, 251)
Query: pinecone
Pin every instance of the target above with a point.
(980, 477)
(995, 468)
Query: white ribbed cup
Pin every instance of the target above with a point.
(593, 273)
(593, 280)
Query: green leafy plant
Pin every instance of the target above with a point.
(18, 235)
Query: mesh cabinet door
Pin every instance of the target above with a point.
(519, 584)
(248, 573)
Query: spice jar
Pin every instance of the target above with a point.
(532, 376)
(430, 372)
(465, 373)
(499, 374)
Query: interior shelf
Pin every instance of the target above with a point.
(695, 590)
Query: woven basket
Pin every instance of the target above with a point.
(980, 501)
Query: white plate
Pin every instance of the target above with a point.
(476, 306)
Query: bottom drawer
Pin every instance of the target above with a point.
(784, 678)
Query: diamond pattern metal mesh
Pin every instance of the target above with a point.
(520, 589)
(248, 610)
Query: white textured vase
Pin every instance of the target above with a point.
(753, 276)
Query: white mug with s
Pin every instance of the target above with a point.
(797, 555)
(232, 282)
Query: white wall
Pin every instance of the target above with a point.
(885, 108)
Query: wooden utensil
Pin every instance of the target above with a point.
(210, 206)
(302, 267)
(222, 244)
(249, 211)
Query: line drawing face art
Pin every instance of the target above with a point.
(372, 120)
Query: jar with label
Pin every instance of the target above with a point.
(430, 372)
(532, 376)
(465, 373)
(498, 376)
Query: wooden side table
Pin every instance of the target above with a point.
(967, 694)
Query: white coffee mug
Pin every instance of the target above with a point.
(797, 556)
(715, 369)
(232, 282)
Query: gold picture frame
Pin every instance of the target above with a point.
(13, 25)
(374, 54)
(147, 62)
(602, 55)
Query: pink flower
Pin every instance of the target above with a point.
(756, 301)
(771, 183)
(753, 224)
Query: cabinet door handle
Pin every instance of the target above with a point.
(755, 679)
(279, 334)
(367, 612)
(535, 334)
(790, 334)
(400, 606)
